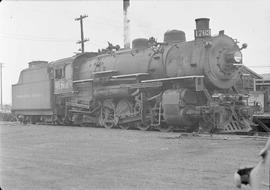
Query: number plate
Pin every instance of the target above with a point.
(202, 33)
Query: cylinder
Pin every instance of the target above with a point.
(178, 107)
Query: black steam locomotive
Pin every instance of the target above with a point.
(170, 85)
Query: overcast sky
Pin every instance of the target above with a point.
(46, 30)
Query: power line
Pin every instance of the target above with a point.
(97, 43)
(31, 36)
(36, 39)
(258, 66)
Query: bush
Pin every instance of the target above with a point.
(7, 117)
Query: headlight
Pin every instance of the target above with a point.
(233, 57)
(237, 57)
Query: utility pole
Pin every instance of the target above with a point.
(1, 66)
(82, 37)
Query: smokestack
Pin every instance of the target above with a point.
(126, 24)
(202, 28)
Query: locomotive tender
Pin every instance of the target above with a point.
(173, 85)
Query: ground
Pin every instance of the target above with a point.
(62, 157)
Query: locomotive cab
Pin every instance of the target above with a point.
(63, 76)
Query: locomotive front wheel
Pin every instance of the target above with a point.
(108, 118)
(124, 110)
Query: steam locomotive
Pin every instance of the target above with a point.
(170, 85)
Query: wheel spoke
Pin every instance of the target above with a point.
(123, 111)
(107, 119)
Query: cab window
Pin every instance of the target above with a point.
(59, 73)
